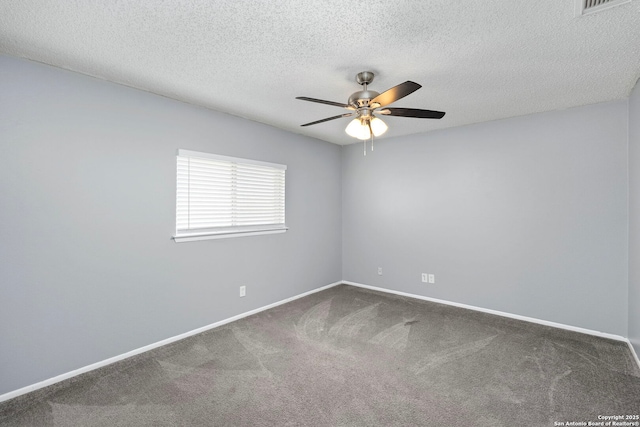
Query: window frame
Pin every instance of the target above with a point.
(223, 232)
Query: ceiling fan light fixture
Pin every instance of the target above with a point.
(359, 128)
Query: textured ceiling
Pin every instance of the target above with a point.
(478, 60)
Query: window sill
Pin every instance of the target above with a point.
(225, 235)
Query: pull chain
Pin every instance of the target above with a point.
(370, 133)
(364, 145)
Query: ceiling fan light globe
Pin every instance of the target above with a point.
(357, 129)
(378, 126)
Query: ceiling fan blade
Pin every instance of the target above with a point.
(395, 93)
(322, 101)
(412, 112)
(327, 119)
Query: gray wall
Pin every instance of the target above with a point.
(634, 218)
(526, 215)
(88, 269)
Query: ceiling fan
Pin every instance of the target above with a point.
(364, 103)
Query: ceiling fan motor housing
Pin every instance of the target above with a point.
(362, 98)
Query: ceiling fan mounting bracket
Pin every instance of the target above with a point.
(365, 77)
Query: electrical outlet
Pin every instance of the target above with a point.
(425, 278)
(432, 278)
(243, 291)
(379, 271)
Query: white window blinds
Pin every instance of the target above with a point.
(219, 196)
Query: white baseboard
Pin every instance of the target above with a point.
(109, 361)
(633, 352)
(496, 312)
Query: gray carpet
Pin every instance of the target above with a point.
(352, 357)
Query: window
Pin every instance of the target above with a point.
(219, 196)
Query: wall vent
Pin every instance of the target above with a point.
(587, 7)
